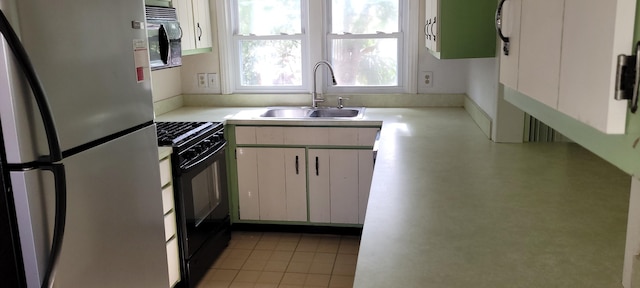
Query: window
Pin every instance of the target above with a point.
(273, 44)
(364, 42)
(269, 44)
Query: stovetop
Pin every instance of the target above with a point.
(176, 134)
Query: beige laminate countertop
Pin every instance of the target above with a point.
(449, 208)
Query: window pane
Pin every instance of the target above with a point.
(269, 17)
(365, 62)
(270, 63)
(364, 16)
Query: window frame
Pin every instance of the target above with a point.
(401, 50)
(235, 54)
(315, 26)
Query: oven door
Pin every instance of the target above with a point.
(203, 186)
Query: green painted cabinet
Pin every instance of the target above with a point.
(460, 28)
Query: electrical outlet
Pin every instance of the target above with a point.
(428, 79)
(202, 80)
(213, 82)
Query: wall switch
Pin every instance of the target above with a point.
(428, 79)
(213, 82)
(202, 80)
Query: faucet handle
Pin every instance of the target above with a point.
(341, 102)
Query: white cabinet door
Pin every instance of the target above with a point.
(510, 28)
(365, 175)
(319, 188)
(595, 32)
(339, 184)
(272, 184)
(540, 47)
(202, 23)
(343, 171)
(248, 192)
(184, 9)
(295, 184)
(431, 25)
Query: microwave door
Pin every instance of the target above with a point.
(159, 44)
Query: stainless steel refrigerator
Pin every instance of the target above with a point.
(80, 178)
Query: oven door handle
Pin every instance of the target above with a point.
(188, 168)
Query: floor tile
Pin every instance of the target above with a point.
(300, 256)
(321, 268)
(255, 265)
(260, 255)
(286, 245)
(247, 276)
(281, 256)
(276, 266)
(293, 278)
(315, 280)
(298, 267)
(270, 277)
(321, 257)
(341, 281)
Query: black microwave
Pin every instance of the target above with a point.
(164, 37)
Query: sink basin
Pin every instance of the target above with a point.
(308, 112)
(344, 112)
(287, 113)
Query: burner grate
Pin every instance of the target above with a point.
(170, 133)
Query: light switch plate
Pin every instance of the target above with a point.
(213, 82)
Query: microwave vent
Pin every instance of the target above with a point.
(160, 13)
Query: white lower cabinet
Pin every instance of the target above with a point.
(333, 166)
(339, 183)
(272, 184)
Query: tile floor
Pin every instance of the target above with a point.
(257, 259)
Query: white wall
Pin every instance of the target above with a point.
(166, 83)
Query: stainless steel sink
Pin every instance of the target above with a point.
(307, 112)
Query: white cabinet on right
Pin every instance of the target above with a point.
(563, 53)
(339, 184)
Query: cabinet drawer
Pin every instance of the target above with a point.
(173, 261)
(306, 136)
(167, 199)
(245, 135)
(169, 225)
(343, 136)
(367, 136)
(269, 135)
(165, 171)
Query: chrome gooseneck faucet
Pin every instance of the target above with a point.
(314, 95)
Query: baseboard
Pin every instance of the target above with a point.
(356, 231)
(478, 115)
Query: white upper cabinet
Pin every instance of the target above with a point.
(540, 46)
(564, 53)
(195, 21)
(595, 32)
(510, 20)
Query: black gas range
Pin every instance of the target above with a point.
(191, 140)
(200, 192)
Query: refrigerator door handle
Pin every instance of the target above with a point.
(38, 92)
(60, 180)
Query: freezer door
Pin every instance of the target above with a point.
(92, 60)
(114, 235)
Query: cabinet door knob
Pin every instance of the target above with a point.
(505, 47)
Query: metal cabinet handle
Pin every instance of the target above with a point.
(505, 47)
(432, 25)
(427, 30)
(317, 167)
(199, 32)
(297, 167)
